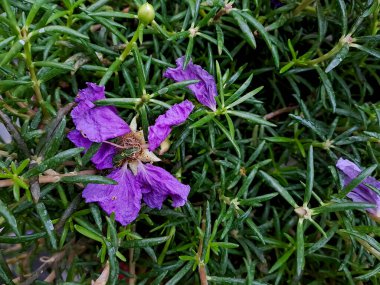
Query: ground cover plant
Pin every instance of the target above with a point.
(189, 142)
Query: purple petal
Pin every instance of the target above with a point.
(361, 193)
(79, 140)
(98, 123)
(92, 93)
(349, 168)
(205, 90)
(176, 115)
(157, 184)
(102, 159)
(123, 199)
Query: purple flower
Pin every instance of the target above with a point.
(162, 127)
(136, 180)
(205, 90)
(361, 193)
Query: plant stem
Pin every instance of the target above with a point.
(32, 70)
(14, 111)
(49, 178)
(343, 40)
(278, 112)
(326, 56)
(132, 267)
(201, 266)
(116, 64)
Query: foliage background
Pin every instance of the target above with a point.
(298, 87)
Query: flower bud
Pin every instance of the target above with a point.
(146, 14)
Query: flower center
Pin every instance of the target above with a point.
(130, 147)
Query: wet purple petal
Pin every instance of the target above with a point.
(157, 184)
(98, 123)
(161, 129)
(205, 90)
(92, 93)
(123, 199)
(102, 159)
(361, 193)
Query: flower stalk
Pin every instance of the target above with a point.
(32, 70)
(201, 265)
(331, 53)
(116, 64)
(146, 15)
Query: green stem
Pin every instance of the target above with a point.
(326, 56)
(14, 111)
(116, 64)
(343, 40)
(32, 70)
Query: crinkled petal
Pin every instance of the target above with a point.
(365, 195)
(361, 193)
(123, 199)
(349, 168)
(176, 115)
(102, 159)
(157, 184)
(205, 90)
(80, 141)
(98, 123)
(92, 93)
(351, 171)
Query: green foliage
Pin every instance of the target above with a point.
(297, 90)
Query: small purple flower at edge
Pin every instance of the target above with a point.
(137, 178)
(361, 193)
(205, 90)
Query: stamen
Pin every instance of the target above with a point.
(115, 145)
